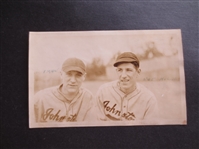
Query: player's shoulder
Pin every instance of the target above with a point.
(87, 92)
(108, 85)
(46, 91)
(145, 91)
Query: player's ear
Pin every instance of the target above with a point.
(84, 76)
(139, 70)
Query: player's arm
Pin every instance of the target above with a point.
(37, 108)
(100, 115)
(89, 113)
(152, 111)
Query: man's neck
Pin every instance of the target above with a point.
(68, 96)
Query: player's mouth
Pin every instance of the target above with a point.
(72, 85)
(124, 81)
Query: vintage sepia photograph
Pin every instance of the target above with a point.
(106, 78)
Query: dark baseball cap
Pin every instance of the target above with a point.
(126, 57)
(74, 64)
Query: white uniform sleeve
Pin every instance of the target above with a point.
(89, 114)
(38, 109)
(100, 115)
(152, 111)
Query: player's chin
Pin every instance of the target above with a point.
(72, 90)
(125, 86)
(125, 83)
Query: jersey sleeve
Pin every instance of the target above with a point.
(100, 115)
(38, 110)
(152, 111)
(88, 115)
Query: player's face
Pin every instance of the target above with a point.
(127, 76)
(72, 81)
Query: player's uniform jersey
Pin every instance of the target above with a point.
(51, 106)
(113, 104)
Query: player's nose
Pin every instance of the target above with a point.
(73, 79)
(123, 74)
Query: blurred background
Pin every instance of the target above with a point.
(159, 52)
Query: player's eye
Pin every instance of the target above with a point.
(119, 70)
(69, 74)
(78, 74)
(129, 70)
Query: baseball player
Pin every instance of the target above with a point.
(125, 99)
(67, 102)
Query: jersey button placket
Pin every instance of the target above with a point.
(125, 104)
(124, 107)
(67, 109)
(69, 112)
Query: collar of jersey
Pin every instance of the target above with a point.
(61, 97)
(122, 94)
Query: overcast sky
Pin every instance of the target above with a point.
(48, 50)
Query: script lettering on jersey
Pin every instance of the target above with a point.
(127, 116)
(48, 115)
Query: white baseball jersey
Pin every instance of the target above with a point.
(113, 104)
(52, 106)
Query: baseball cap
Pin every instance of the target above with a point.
(126, 57)
(74, 64)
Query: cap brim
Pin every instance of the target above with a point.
(73, 68)
(124, 60)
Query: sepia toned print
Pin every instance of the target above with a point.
(66, 102)
(125, 99)
(106, 78)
